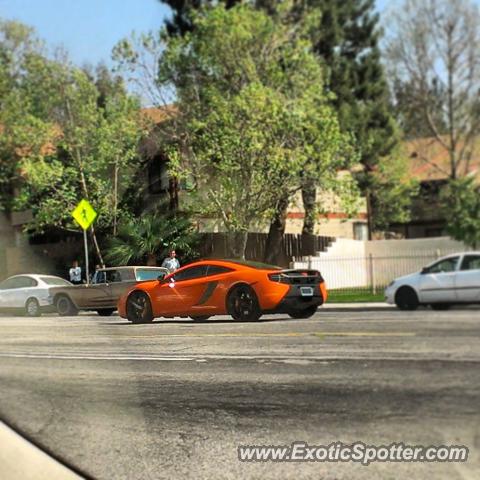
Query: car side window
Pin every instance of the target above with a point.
(126, 275)
(217, 269)
(191, 273)
(28, 282)
(470, 262)
(18, 282)
(9, 284)
(444, 266)
(113, 276)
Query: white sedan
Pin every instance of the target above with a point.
(28, 294)
(451, 280)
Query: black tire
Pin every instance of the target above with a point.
(32, 308)
(105, 312)
(242, 304)
(200, 318)
(139, 308)
(305, 313)
(440, 306)
(406, 299)
(65, 306)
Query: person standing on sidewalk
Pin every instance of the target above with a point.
(171, 262)
(75, 273)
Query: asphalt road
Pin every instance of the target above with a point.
(174, 399)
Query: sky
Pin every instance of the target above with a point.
(88, 29)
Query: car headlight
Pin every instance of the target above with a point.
(391, 284)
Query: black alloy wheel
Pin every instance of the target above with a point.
(406, 299)
(242, 304)
(139, 308)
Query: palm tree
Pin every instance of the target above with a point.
(149, 238)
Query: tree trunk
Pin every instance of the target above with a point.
(97, 248)
(115, 199)
(237, 244)
(273, 247)
(369, 214)
(309, 197)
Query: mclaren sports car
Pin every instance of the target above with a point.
(245, 290)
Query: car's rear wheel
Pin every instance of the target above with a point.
(32, 308)
(65, 306)
(305, 313)
(200, 318)
(105, 312)
(242, 304)
(440, 306)
(139, 308)
(406, 299)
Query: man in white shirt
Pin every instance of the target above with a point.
(171, 262)
(75, 273)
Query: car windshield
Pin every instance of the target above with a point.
(55, 281)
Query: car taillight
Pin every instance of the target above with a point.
(275, 277)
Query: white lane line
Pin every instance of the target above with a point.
(94, 357)
(206, 357)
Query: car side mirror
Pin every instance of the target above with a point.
(424, 270)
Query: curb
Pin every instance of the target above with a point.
(20, 459)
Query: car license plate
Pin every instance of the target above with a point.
(306, 291)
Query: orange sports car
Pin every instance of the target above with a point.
(245, 290)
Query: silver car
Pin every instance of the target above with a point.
(451, 280)
(29, 294)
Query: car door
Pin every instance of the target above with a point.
(97, 294)
(180, 293)
(467, 282)
(119, 282)
(18, 290)
(8, 290)
(437, 282)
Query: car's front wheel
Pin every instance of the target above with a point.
(406, 299)
(242, 304)
(139, 308)
(32, 308)
(305, 313)
(65, 306)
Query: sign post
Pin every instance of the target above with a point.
(84, 214)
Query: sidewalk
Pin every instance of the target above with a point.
(359, 306)
(19, 459)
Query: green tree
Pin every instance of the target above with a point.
(149, 238)
(17, 44)
(461, 204)
(345, 37)
(62, 141)
(251, 127)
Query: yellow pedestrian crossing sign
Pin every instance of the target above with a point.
(84, 214)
